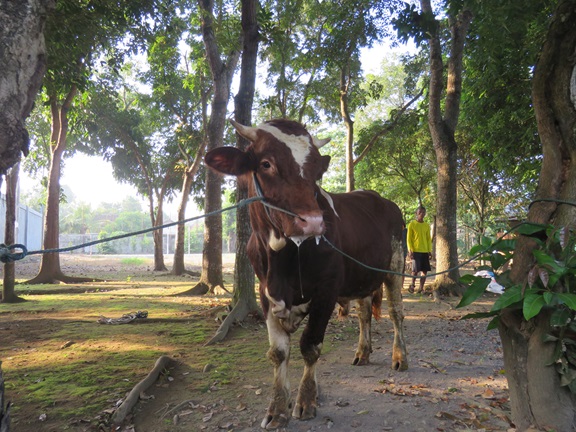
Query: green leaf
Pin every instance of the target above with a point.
(546, 260)
(467, 279)
(475, 290)
(479, 249)
(533, 303)
(506, 245)
(549, 338)
(511, 296)
(494, 323)
(568, 299)
(529, 228)
(479, 315)
(560, 317)
(498, 260)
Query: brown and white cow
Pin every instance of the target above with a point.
(300, 272)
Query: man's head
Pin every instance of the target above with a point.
(420, 213)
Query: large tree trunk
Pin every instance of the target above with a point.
(23, 60)
(244, 279)
(50, 271)
(244, 299)
(222, 73)
(8, 293)
(442, 128)
(536, 397)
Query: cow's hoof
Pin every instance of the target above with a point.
(400, 365)
(273, 422)
(359, 361)
(304, 412)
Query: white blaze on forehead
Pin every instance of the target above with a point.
(299, 145)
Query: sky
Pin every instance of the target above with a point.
(91, 180)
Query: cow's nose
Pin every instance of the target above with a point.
(311, 224)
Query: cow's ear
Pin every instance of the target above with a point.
(228, 160)
(325, 161)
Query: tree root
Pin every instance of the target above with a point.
(238, 313)
(201, 288)
(120, 414)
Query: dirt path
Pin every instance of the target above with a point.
(454, 383)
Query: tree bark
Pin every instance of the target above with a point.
(222, 73)
(345, 112)
(8, 292)
(442, 128)
(244, 281)
(537, 399)
(4, 410)
(23, 60)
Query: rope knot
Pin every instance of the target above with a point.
(6, 256)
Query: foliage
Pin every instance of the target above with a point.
(550, 286)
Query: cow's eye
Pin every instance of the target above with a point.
(265, 164)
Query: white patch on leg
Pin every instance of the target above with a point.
(278, 307)
(299, 145)
(279, 340)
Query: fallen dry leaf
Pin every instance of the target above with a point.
(488, 394)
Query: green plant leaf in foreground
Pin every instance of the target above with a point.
(533, 303)
(475, 290)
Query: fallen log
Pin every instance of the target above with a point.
(122, 411)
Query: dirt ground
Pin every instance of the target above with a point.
(454, 383)
(455, 380)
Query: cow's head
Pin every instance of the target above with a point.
(284, 162)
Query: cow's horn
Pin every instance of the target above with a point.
(247, 132)
(320, 142)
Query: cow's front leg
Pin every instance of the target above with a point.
(311, 346)
(278, 412)
(364, 349)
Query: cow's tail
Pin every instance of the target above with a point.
(377, 304)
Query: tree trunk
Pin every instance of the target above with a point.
(159, 264)
(244, 279)
(178, 266)
(23, 60)
(222, 73)
(442, 128)
(536, 397)
(4, 411)
(50, 270)
(345, 112)
(8, 293)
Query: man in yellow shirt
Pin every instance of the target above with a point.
(419, 243)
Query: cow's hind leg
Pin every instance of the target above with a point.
(393, 284)
(364, 349)
(278, 412)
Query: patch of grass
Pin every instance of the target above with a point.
(57, 359)
(136, 261)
